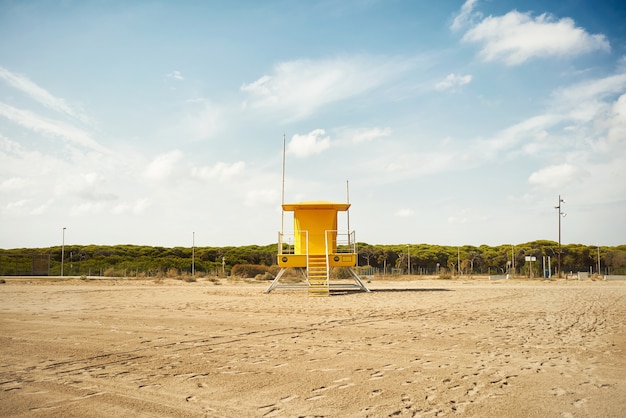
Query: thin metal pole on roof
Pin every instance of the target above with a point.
(348, 201)
(193, 254)
(348, 211)
(282, 211)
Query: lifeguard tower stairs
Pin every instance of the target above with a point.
(315, 247)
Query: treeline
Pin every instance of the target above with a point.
(484, 259)
(146, 261)
(132, 260)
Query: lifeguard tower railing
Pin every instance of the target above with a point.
(338, 247)
(335, 241)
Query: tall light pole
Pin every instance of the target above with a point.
(560, 214)
(63, 250)
(513, 259)
(599, 260)
(408, 255)
(193, 254)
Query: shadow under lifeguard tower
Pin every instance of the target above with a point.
(315, 247)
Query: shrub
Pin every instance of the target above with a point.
(265, 276)
(248, 270)
(274, 269)
(110, 272)
(341, 273)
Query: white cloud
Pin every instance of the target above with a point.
(558, 176)
(176, 75)
(136, 208)
(40, 95)
(420, 164)
(18, 204)
(42, 208)
(315, 142)
(617, 130)
(89, 186)
(591, 90)
(51, 127)
(507, 139)
(14, 183)
(220, 171)
(405, 213)
(300, 87)
(517, 37)
(163, 166)
(200, 120)
(461, 217)
(366, 135)
(86, 208)
(23, 207)
(466, 15)
(255, 198)
(453, 80)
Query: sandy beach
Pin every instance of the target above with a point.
(422, 348)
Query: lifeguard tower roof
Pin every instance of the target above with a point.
(316, 204)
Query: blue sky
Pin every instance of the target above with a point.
(159, 123)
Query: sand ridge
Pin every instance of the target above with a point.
(420, 348)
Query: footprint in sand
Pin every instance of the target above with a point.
(376, 392)
(472, 391)
(377, 375)
(269, 410)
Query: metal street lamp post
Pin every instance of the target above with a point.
(408, 253)
(560, 214)
(193, 255)
(599, 261)
(63, 250)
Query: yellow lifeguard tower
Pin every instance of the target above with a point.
(316, 246)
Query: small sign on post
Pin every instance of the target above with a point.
(530, 259)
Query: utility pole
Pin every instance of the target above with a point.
(408, 261)
(513, 259)
(193, 254)
(63, 250)
(560, 214)
(599, 261)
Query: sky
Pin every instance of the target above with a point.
(453, 123)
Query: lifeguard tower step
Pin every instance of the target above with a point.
(318, 275)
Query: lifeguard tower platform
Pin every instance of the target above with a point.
(315, 247)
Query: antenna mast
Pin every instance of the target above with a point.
(282, 211)
(348, 211)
